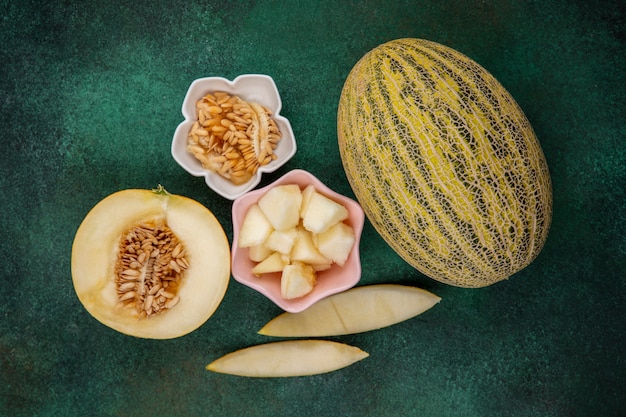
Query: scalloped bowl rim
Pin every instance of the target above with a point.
(253, 87)
(348, 275)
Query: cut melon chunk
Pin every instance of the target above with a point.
(298, 279)
(259, 252)
(336, 243)
(359, 309)
(281, 206)
(322, 266)
(304, 250)
(281, 240)
(255, 228)
(273, 263)
(321, 213)
(287, 359)
(307, 193)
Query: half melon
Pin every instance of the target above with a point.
(150, 264)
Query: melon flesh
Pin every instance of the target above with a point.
(96, 246)
(255, 228)
(357, 310)
(321, 213)
(287, 359)
(281, 206)
(336, 243)
(259, 252)
(297, 280)
(273, 263)
(304, 249)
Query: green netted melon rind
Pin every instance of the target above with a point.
(444, 162)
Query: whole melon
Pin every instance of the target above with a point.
(444, 162)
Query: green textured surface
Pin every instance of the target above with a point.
(90, 96)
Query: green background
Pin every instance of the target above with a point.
(90, 95)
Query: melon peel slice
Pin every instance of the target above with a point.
(288, 359)
(96, 246)
(357, 310)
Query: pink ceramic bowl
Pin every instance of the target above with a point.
(331, 281)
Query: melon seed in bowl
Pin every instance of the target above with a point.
(233, 137)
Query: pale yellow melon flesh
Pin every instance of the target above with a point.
(255, 228)
(96, 246)
(281, 206)
(297, 280)
(288, 359)
(273, 263)
(356, 310)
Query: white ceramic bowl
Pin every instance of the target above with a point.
(331, 281)
(250, 87)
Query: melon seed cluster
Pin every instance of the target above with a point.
(149, 267)
(233, 137)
